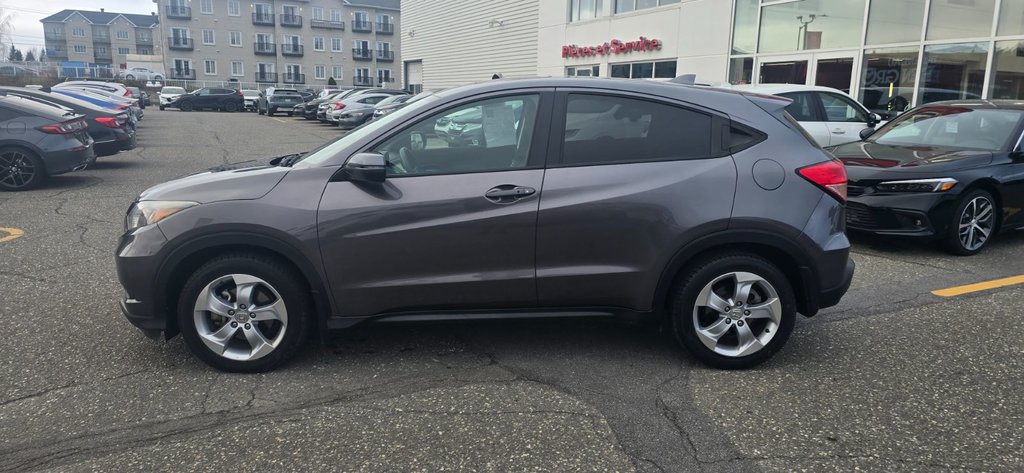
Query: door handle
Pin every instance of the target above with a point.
(508, 193)
(839, 131)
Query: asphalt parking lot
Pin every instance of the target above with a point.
(893, 379)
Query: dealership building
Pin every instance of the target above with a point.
(887, 53)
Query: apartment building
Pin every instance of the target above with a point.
(99, 37)
(291, 42)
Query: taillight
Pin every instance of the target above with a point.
(829, 175)
(109, 122)
(338, 105)
(64, 128)
(121, 107)
(127, 93)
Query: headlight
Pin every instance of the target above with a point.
(149, 212)
(918, 185)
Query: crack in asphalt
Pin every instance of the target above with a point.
(72, 384)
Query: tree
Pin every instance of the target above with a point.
(6, 28)
(30, 56)
(42, 55)
(15, 54)
(331, 81)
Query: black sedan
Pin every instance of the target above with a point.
(949, 171)
(212, 98)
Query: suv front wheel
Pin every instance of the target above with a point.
(244, 313)
(733, 311)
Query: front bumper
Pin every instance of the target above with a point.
(138, 262)
(909, 215)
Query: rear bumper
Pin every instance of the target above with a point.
(829, 297)
(67, 160)
(123, 142)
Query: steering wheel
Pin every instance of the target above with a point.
(405, 159)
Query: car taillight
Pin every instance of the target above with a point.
(121, 107)
(109, 122)
(829, 175)
(64, 128)
(127, 94)
(338, 105)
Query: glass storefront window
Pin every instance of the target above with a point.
(811, 24)
(1011, 18)
(744, 29)
(895, 21)
(645, 70)
(741, 70)
(623, 6)
(953, 71)
(665, 70)
(583, 71)
(1008, 82)
(620, 70)
(584, 9)
(887, 87)
(951, 19)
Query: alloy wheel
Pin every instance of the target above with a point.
(240, 317)
(976, 223)
(16, 169)
(737, 314)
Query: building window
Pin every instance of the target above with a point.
(78, 32)
(318, 44)
(895, 22)
(100, 50)
(320, 71)
(741, 70)
(210, 67)
(1011, 19)
(1008, 82)
(362, 73)
(80, 48)
(336, 45)
(383, 76)
(235, 38)
(645, 70)
(959, 19)
(124, 51)
(206, 6)
(318, 13)
(623, 6)
(959, 68)
(145, 50)
(888, 81)
(335, 15)
(237, 69)
(811, 25)
(233, 8)
(584, 9)
(583, 71)
(383, 47)
(361, 45)
(208, 37)
(744, 32)
(336, 73)
(122, 34)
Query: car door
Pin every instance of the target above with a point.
(806, 109)
(844, 118)
(452, 227)
(629, 180)
(203, 98)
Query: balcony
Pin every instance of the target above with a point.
(294, 50)
(184, 74)
(181, 44)
(291, 20)
(362, 26)
(179, 12)
(55, 35)
(327, 25)
(263, 19)
(101, 38)
(264, 49)
(103, 56)
(266, 77)
(143, 40)
(385, 28)
(385, 56)
(291, 78)
(363, 54)
(364, 81)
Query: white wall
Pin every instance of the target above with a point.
(466, 41)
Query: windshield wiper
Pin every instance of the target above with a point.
(287, 160)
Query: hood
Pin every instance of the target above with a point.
(239, 181)
(863, 158)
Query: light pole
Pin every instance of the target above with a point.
(801, 32)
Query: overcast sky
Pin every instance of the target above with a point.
(28, 31)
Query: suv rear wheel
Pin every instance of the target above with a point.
(244, 313)
(733, 311)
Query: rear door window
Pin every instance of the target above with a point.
(804, 107)
(842, 109)
(606, 129)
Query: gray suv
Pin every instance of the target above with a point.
(578, 197)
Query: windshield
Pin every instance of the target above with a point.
(286, 92)
(332, 148)
(952, 126)
(172, 90)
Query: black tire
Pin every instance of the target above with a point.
(186, 106)
(129, 77)
(704, 272)
(231, 107)
(30, 174)
(284, 280)
(952, 241)
(161, 107)
(270, 112)
(158, 78)
(290, 114)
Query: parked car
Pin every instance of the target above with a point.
(720, 216)
(354, 111)
(112, 103)
(209, 98)
(168, 94)
(146, 99)
(389, 105)
(250, 96)
(132, 104)
(105, 86)
(947, 171)
(274, 99)
(38, 141)
(310, 108)
(307, 95)
(140, 73)
(112, 131)
(829, 115)
(890, 103)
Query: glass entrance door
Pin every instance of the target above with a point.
(835, 70)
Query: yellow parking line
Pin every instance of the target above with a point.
(981, 286)
(12, 233)
(278, 119)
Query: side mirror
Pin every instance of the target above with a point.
(366, 167)
(874, 119)
(865, 133)
(417, 141)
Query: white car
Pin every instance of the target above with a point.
(829, 115)
(140, 73)
(251, 97)
(168, 94)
